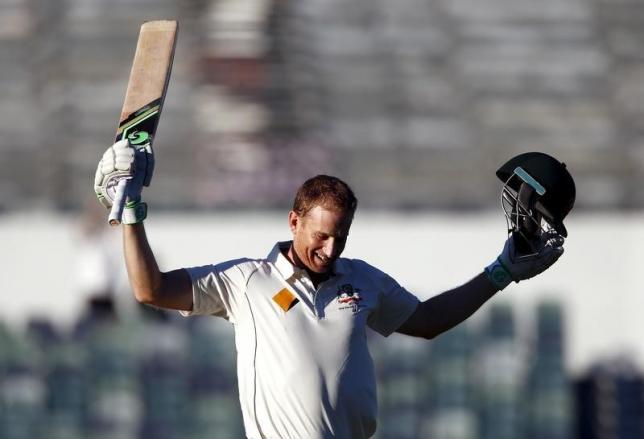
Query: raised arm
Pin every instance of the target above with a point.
(172, 289)
(446, 310)
(166, 290)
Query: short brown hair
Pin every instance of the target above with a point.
(326, 191)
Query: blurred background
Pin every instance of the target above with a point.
(415, 103)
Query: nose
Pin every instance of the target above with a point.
(331, 248)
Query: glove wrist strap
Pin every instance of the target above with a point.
(134, 212)
(498, 274)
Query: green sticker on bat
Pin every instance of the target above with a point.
(138, 137)
(141, 125)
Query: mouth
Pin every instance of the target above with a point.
(322, 259)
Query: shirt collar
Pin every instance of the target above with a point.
(282, 264)
(287, 269)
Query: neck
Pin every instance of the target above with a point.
(316, 278)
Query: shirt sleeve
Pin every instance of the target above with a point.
(395, 305)
(217, 289)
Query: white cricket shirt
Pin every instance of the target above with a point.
(303, 365)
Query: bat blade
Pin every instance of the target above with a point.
(145, 94)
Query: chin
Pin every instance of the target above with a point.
(320, 270)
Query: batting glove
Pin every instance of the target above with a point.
(511, 265)
(123, 161)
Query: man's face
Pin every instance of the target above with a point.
(319, 238)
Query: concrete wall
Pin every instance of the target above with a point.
(47, 267)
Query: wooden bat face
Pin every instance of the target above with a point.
(145, 94)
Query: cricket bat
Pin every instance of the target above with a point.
(145, 94)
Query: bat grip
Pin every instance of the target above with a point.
(119, 202)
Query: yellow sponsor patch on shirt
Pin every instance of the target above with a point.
(285, 299)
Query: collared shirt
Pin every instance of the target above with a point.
(303, 364)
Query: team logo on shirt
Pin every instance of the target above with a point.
(285, 299)
(349, 297)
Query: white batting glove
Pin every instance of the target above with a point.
(512, 266)
(123, 161)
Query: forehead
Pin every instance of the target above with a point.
(329, 221)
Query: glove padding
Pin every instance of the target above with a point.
(123, 161)
(511, 265)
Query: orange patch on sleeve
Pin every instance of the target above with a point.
(285, 299)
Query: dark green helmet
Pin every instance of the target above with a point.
(536, 187)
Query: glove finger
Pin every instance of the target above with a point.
(546, 237)
(144, 165)
(124, 159)
(98, 190)
(107, 162)
(549, 256)
(555, 241)
(98, 176)
(556, 252)
(117, 159)
(122, 144)
(140, 164)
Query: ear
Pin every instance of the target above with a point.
(293, 220)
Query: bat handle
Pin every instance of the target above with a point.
(119, 202)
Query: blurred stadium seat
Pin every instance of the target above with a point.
(166, 377)
(414, 102)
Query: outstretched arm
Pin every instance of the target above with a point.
(443, 312)
(446, 310)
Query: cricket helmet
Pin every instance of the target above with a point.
(538, 193)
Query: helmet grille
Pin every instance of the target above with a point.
(524, 220)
